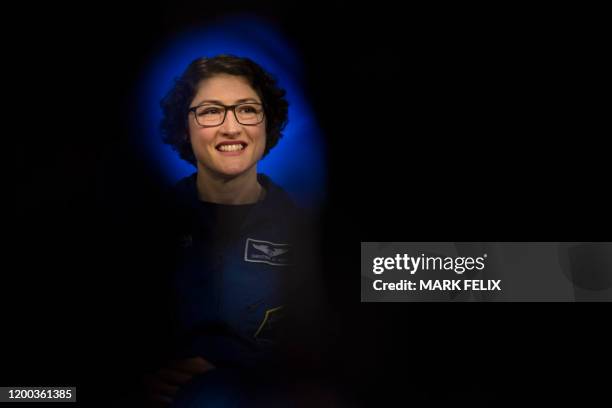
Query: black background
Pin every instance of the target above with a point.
(486, 125)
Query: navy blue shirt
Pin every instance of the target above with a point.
(234, 273)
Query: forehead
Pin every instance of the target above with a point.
(225, 88)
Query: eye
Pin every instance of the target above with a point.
(209, 111)
(248, 109)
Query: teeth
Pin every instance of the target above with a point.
(231, 148)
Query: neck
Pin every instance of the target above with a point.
(242, 189)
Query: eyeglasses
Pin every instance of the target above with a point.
(209, 115)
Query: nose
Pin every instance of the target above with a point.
(230, 126)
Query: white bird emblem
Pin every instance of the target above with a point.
(269, 251)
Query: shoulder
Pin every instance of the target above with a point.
(275, 194)
(180, 202)
(281, 207)
(277, 200)
(185, 189)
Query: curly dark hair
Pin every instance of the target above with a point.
(175, 105)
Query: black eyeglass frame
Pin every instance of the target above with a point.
(225, 109)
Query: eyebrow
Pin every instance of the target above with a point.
(217, 102)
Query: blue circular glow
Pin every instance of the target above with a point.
(297, 161)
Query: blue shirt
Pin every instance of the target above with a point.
(234, 273)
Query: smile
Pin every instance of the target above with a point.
(231, 146)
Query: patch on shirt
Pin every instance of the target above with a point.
(269, 328)
(266, 252)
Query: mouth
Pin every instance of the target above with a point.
(231, 147)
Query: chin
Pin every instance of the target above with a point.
(233, 172)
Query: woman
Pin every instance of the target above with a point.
(237, 228)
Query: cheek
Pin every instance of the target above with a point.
(262, 137)
(191, 127)
(199, 137)
(261, 146)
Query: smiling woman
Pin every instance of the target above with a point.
(225, 148)
(245, 257)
